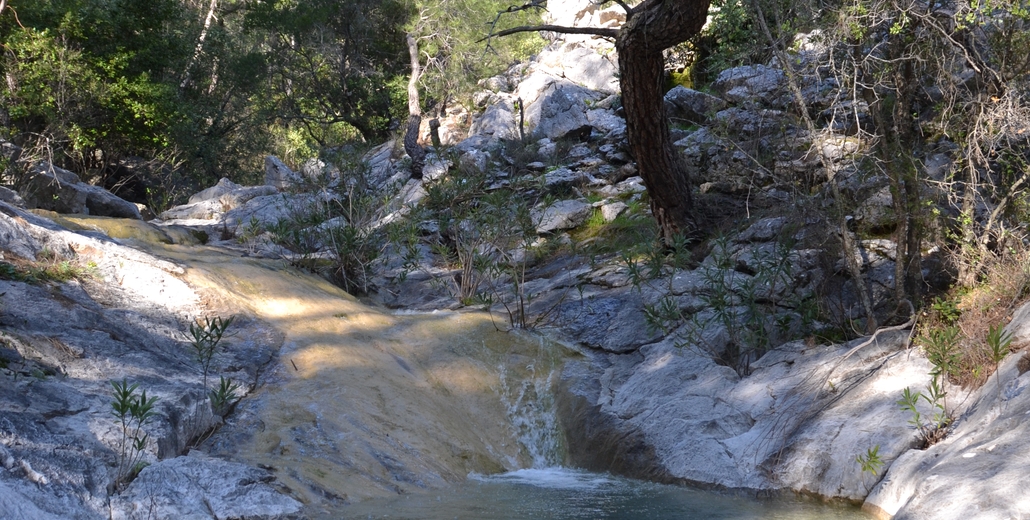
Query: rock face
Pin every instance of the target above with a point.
(64, 344)
(199, 486)
(978, 471)
(796, 422)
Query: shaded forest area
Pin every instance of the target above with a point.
(156, 99)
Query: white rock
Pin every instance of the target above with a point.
(199, 486)
(278, 175)
(611, 211)
(563, 214)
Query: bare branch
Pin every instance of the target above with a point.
(627, 8)
(3, 4)
(596, 31)
(531, 4)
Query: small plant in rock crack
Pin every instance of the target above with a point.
(204, 338)
(933, 427)
(998, 341)
(941, 347)
(224, 396)
(871, 461)
(634, 270)
(133, 412)
(665, 315)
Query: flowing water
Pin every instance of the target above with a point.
(372, 414)
(566, 494)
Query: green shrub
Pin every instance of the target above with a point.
(133, 413)
(205, 337)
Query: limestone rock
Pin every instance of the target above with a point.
(613, 322)
(979, 469)
(59, 437)
(763, 230)
(11, 197)
(199, 486)
(876, 213)
(611, 211)
(563, 179)
(277, 174)
(687, 105)
(563, 214)
(103, 203)
(380, 165)
(582, 65)
(498, 120)
(703, 423)
(751, 123)
(60, 190)
(10, 151)
(751, 84)
(555, 107)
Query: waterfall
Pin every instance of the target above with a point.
(526, 390)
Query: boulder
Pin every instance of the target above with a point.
(497, 83)
(11, 197)
(278, 175)
(583, 65)
(59, 190)
(563, 180)
(612, 210)
(752, 85)
(103, 203)
(499, 120)
(9, 151)
(227, 205)
(562, 215)
(55, 189)
(223, 187)
(687, 105)
(876, 213)
(555, 107)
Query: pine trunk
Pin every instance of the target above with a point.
(653, 27)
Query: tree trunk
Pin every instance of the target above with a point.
(200, 44)
(653, 27)
(411, 146)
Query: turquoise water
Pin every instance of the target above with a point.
(564, 494)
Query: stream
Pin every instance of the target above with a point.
(368, 413)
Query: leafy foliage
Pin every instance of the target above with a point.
(871, 461)
(133, 412)
(208, 94)
(205, 336)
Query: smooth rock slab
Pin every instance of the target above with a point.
(198, 486)
(979, 470)
(613, 323)
(796, 422)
